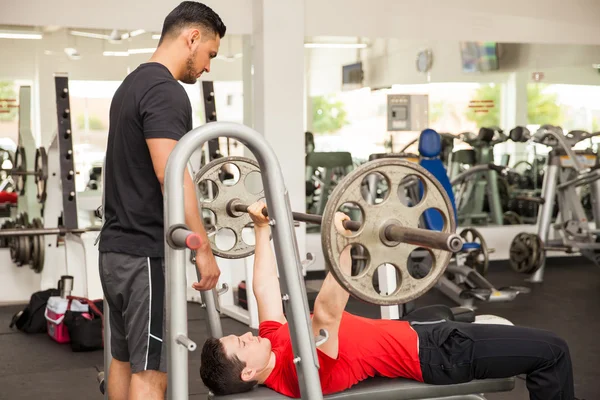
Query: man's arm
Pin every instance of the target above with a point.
(332, 299)
(265, 282)
(160, 149)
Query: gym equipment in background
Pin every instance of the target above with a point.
(480, 189)
(323, 172)
(463, 281)
(567, 170)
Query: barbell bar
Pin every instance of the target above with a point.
(390, 232)
(44, 231)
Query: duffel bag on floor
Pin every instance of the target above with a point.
(86, 328)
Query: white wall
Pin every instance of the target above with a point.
(534, 21)
(117, 14)
(393, 61)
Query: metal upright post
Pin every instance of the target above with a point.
(595, 196)
(284, 239)
(494, 197)
(545, 214)
(107, 349)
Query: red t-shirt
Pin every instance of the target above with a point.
(367, 347)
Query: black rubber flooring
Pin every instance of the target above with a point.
(568, 302)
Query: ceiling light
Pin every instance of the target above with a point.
(137, 32)
(20, 35)
(149, 50)
(115, 53)
(72, 53)
(129, 52)
(335, 45)
(156, 37)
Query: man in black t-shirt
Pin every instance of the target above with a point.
(149, 113)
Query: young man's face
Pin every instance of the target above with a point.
(253, 350)
(202, 52)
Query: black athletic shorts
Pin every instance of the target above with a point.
(134, 288)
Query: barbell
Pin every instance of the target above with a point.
(26, 240)
(20, 173)
(389, 230)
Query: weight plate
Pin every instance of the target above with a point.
(5, 241)
(526, 253)
(375, 216)
(41, 176)
(26, 252)
(20, 165)
(477, 259)
(13, 244)
(37, 262)
(512, 218)
(228, 190)
(22, 250)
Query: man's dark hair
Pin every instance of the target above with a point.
(222, 374)
(192, 13)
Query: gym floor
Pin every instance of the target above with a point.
(568, 303)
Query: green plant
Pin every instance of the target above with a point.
(329, 114)
(542, 108)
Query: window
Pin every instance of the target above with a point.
(90, 107)
(568, 106)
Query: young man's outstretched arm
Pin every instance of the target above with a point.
(332, 298)
(265, 282)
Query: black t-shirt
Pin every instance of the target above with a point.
(150, 103)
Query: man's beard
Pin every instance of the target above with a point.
(191, 74)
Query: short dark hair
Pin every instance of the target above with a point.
(192, 13)
(222, 374)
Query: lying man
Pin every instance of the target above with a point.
(441, 353)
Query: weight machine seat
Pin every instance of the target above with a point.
(430, 147)
(379, 388)
(471, 246)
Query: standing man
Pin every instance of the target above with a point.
(149, 113)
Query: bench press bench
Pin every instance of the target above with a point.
(392, 389)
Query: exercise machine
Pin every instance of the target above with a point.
(464, 280)
(567, 170)
(477, 189)
(294, 297)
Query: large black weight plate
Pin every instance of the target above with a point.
(20, 165)
(477, 259)
(41, 173)
(37, 259)
(526, 253)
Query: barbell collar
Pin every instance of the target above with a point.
(422, 237)
(180, 237)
